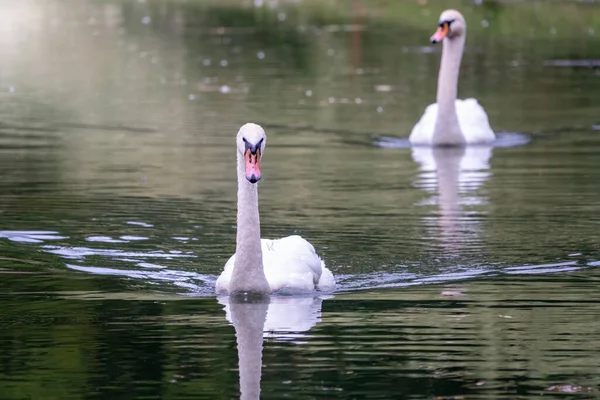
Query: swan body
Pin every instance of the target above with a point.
(450, 121)
(472, 120)
(290, 264)
(259, 265)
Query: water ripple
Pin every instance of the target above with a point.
(503, 139)
(31, 236)
(82, 252)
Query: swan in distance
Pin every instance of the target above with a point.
(450, 121)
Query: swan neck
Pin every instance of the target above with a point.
(248, 274)
(447, 129)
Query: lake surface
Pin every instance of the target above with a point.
(469, 273)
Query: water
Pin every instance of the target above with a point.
(461, 273)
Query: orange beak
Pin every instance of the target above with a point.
(441, 33)
(252, 165)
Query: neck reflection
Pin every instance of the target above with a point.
(454, 176)
(278, 318)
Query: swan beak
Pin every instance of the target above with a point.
(252, 165)
(441, 33)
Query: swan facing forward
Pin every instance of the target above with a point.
(451, 122)
(259, 265)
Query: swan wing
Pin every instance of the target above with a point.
(422, 132)
(291, 263)
(474, 122)
(222, 284)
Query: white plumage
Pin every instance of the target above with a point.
(472, 119)
(290, 264)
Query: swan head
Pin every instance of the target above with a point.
(451, 24)
(251, 141)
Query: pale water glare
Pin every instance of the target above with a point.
(461, 273)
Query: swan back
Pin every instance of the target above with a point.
(474, 122)
(291, 263)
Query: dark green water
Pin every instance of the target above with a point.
(461, 274)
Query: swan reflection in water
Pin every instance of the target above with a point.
(453, 175)
(278, 318)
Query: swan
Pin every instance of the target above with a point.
(451, 122)
(264, 266)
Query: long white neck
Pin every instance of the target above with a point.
(248, 274)
(447, 129)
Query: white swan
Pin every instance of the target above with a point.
(450, 121)
(260, 265)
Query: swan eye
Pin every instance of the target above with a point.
(248, 143)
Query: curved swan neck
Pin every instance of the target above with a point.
(447, 129)
(248, 274)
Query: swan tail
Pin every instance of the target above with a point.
(326, 281)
